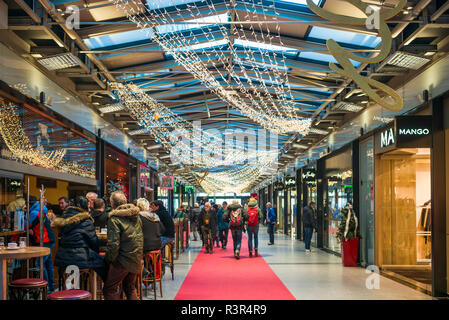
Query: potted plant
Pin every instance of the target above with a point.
(348, 235)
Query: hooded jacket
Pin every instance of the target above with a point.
(244, 216)
(167, 221)
(308, 218)
(49, 234)
(222, 224)
(79, 243)
(253, 204)
(152, 229)
(125, 238)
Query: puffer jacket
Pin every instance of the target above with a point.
(152, 229)
(125, 237)
(79, 243)
(167, 221)
(222, 224)
(253, 204)
(244, 216)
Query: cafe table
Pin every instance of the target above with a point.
(18, 254)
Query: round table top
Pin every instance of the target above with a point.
(102, 236)
(25, 253)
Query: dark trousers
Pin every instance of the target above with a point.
(308, 232)
(271, 232)
(116, 275)
(224, 236)
(236, 238)
(49, 274)
(253, 231)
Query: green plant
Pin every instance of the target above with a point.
(353, 228)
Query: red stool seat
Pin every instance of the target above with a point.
(70, 295)
(29, 282)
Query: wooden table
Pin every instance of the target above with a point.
(102, 236)
(8, 255)
(12, 233)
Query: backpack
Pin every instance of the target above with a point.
(253, 219)
(236, 218)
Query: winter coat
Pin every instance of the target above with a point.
(253, 204)
(195, 214)
(167, 221)
(180, 214)
(100, 218)
(308, 218)
(271, 217)
(152, 229)
(125, 238)
(244, 216)
(79, 243)
(49, 234)
(212, 220)
(222, 224)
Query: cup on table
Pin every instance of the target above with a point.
(12, 245)
(23, 242)
(104, 231)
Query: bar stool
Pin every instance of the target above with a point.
(70, 295)
(156, 260)
(18, 289)
(170, 259)
(86, 279)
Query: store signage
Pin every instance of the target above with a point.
(278, 185)
(167, 182)
(407, 132)
(387, 138)
(144, 176)
(308, 174)
(188, 189)
(290, 182)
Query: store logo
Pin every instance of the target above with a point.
(414, 131)
(290, 182)
(387, 138)
(308, 174)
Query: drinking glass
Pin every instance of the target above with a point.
(97, 229)
(2, 242)
(23, 242)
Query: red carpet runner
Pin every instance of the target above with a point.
(219, 276)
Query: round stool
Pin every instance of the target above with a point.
(153, 259)
(70, 295)
(21, 287)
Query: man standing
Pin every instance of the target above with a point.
(194, 216)
(208, 226)
(63, 204)
(169, 233)
(271, 222)
(223, 225)
(91, 196)
(124, 250)
(309, 222)
(254, 216)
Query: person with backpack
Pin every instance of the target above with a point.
(48, 237)
(254, 216)
(237, 221)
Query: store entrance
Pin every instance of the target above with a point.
(403, 209)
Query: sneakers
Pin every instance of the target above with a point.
(250, 254)
(308, 251)
(256, 252)
(237, 255)
(270, 243)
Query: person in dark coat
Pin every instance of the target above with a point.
(194, 216)
(169, 226)
(152, 226)
(309, 222)
(79, 244)
(98, 213)
(223, 225)
(208, 225)
(235, 210)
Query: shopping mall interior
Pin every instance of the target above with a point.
(331, 115)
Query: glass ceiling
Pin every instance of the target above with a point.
(322, 57)
(265, 46)
(346, 37)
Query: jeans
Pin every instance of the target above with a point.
(224, 236)
(253, 230)
(271, 232)
(308, 232)
(165, 240)
(236, 238)
(217, 239)
(116, 275)
(49, 274)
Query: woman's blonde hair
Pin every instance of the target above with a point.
(143, 204)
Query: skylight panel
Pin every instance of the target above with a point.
(301, 2)
(118, 38)
(346, 37)
(159, 4)
(203, 45)
(170, 28)
(264, 46)
(322, 57)
(261, 65)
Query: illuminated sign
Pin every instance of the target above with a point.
(308, 175)
(387, 138)
(290, 182)
(167, 182)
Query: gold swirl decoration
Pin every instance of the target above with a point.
(391, 99)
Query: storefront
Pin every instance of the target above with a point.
(337, 192)
(278, 206)
(290, 211)
(403, 201)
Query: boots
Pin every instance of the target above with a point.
(250, 254)
(256, 252)
(237, 255)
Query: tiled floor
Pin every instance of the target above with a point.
(317, 275)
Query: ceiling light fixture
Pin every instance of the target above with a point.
(138, 132)
(60, 61)
(407, 60)
(344, 106)
(111, 108)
